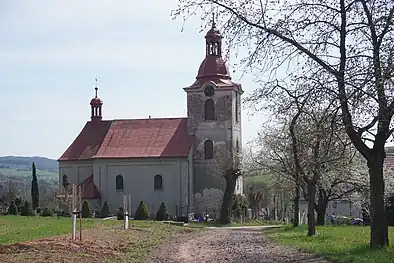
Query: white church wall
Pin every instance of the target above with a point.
(138, 180)
(76, 172)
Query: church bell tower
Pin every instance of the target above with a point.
(96, 105)
(214, 114)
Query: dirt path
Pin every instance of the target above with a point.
(228, 245)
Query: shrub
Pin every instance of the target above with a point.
(162, 213)
(12, 209)
(86, 212)
(142, 212)
(27, 209)
(120, 214)
(19, 205)
(38, 211)
(105, 210)
(46, 212)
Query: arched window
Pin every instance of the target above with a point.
(208, 149)
(236, 107)
(237, 146)
(119, 182)
(209, 110)
(158, 182)
(209, 91)
(65, 181)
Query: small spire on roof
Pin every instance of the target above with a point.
(96, 88)
(213, 20)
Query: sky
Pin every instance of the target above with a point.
(52, 51)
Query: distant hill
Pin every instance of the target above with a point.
(24, 163)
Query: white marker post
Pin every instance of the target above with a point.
(126, 220)
(74, 213)
(74, 224)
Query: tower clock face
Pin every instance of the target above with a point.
(209, 91)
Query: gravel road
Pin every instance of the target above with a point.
(228, 245)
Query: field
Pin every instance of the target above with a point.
(23, 173)
(28, 239)
(348, 244)
(18, 229)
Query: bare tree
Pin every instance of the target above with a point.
(310, 144)
(335, 185)
(8, 192)
(226, 164)
(255, 197)
(349, 42)
(275, 155)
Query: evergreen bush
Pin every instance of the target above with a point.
(12, 209)
(38, 211)
(27, 209)
(46, 212)
(120, 214)
(142, 212)
(86, 212)
(35, 197)
(162, 213)
(105, 210)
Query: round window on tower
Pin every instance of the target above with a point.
(209, 91)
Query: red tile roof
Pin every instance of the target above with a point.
(213, 66)
(89, 189)
(87, 143)
(166, 137)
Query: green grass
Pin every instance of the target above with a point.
(15, 229)
(134, 247)
(348, 244)
(20, 173)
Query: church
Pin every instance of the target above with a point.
(175, 160)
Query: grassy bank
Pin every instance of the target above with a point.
(19, 228)
(23, 239)
(348, 244)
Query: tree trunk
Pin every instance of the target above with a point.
(311, 208)
(227, 201)
(321, 207)
(296, 217)
(379, 226)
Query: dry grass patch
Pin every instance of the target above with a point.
(104, 243)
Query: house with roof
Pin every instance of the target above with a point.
(389, 160)
(161, 159)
